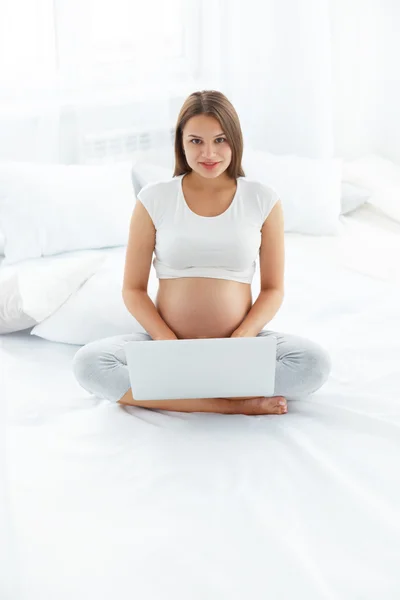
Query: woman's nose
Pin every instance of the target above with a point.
(208, 151)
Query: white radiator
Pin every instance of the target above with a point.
(121, 144)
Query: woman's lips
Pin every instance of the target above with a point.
(210, 165)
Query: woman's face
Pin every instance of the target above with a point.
(204, 141)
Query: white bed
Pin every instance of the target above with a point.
(121, 502)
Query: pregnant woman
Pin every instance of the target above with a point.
(206, 226)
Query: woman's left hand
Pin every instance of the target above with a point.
(237, 334)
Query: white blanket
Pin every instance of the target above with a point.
(124, 502)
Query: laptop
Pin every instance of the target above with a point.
(202, 368)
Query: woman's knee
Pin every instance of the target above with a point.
(101, 361)
(320, 364)
(84, 362)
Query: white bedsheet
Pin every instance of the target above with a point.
(124, 502)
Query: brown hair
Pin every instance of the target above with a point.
(213, 104)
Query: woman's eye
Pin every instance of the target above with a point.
(198, 140)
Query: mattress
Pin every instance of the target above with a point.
(109, 501)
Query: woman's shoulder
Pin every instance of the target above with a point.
(161, 187)
(255, 186)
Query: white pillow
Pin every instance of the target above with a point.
(51, 209)
(387, 200)
(144, 173)
(310, 189)
(97, 309)
(353, 196)
(381, 177)
(32, 290)
(12, 314)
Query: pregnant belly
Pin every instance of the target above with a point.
(196, 307)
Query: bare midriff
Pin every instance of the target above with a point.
(202, 307)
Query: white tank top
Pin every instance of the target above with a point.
(222, 247)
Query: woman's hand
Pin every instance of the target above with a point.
(167, 336)
(237, 333)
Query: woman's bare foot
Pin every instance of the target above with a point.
(277, 405)
(274, 405)
(233, 406)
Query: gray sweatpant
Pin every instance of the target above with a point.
(302, 366)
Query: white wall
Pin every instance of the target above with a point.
(358, 50)
(287, 96)
(366, 52)
(279, 74)
(388, 104)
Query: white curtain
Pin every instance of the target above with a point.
(280, 76)
(29, 116)
(314, 78)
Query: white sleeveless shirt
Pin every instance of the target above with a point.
(222, 247)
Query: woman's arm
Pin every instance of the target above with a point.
(140, 305)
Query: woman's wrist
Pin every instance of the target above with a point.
(165, 336)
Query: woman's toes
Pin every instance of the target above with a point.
(281, 404)
(272, 405)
